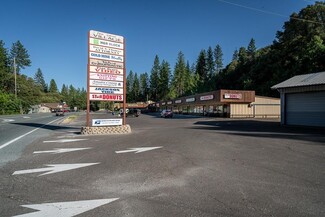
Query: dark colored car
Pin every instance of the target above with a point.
(134, 112)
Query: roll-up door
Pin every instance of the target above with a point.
(305, 109)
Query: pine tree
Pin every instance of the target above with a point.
(154, 79)
(21, 56)
(179, 78)
(218, 58)
(201, 71)
(211, 66)
(144, 86)
(39, 80)
(53, 87)
(5, 76)
(235, 55)
(251, 49)
(164, 80)
(136, 88)
(129, 87)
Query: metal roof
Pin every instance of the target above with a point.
(302, 80)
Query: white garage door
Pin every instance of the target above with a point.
(305, 109)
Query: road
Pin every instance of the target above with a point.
(185, 166)
(17, 131)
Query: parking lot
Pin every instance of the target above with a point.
(180, 166)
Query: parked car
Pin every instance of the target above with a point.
(59, 112)
(134, 112)
(166, 113)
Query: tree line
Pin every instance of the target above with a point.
(298, 49)
(17, 95)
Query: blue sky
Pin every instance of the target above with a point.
(55, 32)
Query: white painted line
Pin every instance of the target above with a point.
(65, 209)
(54, 168)
(137, 150)
(60, 150)
(64, 140)
(8, 120)
(19, 137)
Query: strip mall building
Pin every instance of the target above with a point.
(225, 103)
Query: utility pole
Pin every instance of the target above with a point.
(15, 77)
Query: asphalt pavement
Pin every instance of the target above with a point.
(181, 166)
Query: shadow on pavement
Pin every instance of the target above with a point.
(262, 128)
(48, 127)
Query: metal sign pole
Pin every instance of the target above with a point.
(88, 100)
(124, 85)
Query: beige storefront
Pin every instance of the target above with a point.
(225, 103)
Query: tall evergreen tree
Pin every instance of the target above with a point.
(164, 80)
(154, 79)
(218, 56)
(202, 72)
(129, 87)
(6, 82)
(39, 80)
(211, 65)
(144, 86)
(53, 88)
(136, 88)
(235, 55)
(179, 78)
(242, 55)
(19, 52)
(251, 49)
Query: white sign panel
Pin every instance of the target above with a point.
(108, 90)
(106, 50)
(207, 97)
(106, 97)
(105, 63)
(233, 95)
(107, 122)
(106, 36)
(106, 56)
(190, 99)
(100, 83)
(106, 70)
(107, 77)
(100, 42)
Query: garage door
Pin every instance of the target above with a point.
(305, 109)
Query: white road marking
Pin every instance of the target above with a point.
(7, 120)
(65, 209)
(19, 137)
(64, 140)
(60, 150)
(54, 168)
(137, 150)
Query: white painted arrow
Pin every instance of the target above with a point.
(65, 209)
(64, 140)
(54, 168)
(137, 150)
(60, 150)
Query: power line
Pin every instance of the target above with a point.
(269, 12)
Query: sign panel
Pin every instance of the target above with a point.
(106, 90)
(106, 77)
(107, 122)
(105, 63)
(178, 101)
(190, 99)
(106, 36)
(100, 83)
(106, 43)
(233, 96)
(106, 97)
(107, 70)
(106, 50)
(106, 56)
(207, 97)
